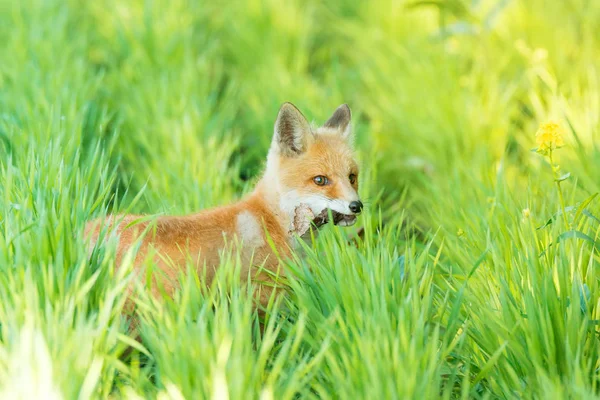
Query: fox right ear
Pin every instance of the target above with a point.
(292, 131)
(341, 120)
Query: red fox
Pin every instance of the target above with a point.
(311, 174)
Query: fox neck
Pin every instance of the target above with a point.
(271, 192)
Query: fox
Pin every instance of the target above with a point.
(310, 179)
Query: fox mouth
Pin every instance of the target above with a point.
(337, 218)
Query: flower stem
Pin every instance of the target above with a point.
(560, 193)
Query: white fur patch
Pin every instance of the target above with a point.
(249, 229)
(293, 199)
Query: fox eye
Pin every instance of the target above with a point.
(352, 178)
(320, 180)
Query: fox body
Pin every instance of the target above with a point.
(311, 174)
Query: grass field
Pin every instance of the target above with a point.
(478, 273)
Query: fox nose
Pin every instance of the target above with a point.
(356, 206)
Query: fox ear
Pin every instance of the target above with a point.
(292, 130)
(341, 120)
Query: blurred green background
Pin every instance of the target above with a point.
(469, 281)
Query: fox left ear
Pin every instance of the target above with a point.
(341, 120)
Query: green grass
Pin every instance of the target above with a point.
(460, 288)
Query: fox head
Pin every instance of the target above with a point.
(315, 166)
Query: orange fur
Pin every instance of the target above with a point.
(297, 155)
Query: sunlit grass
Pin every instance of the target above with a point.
(476, 275)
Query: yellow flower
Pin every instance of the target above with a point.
(549, 137)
